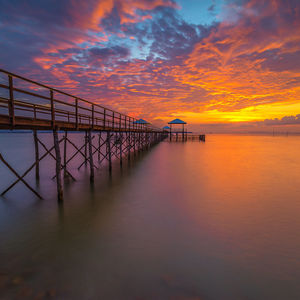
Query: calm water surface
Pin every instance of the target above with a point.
(213, 221)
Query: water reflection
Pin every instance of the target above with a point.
(218, 220)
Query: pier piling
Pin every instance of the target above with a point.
(65, 154)
(108, 150)
(118, 134)
(36, 147)
(91, 156)
(58, 166)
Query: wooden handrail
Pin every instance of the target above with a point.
(109, 116)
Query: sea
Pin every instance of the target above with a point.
(214, 220)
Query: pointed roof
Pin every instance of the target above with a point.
(166, 128)
(177, 121)
(140, 121)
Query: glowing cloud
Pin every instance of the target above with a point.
(142, 57)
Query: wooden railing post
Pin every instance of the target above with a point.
(11, 106)
(113, 120)
(34, 111)
(120, 121)
(93, 115)
(52, 109)
(76, 112)
(104, 119)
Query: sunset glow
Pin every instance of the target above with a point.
(222, 61)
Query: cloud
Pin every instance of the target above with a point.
(287, 120)
(104, 53)
(142, 57)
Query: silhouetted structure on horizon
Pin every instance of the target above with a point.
(178, 122)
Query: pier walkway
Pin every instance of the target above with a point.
(28, 105)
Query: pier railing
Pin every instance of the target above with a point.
(27, 104)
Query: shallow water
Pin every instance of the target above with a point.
(214, 220)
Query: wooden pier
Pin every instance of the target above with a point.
(26, 104)
(179, 137)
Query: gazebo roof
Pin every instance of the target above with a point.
(166, 128)
(140, 121)
(177, 121)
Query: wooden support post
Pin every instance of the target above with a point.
(93, 115)
(108, 149)
(85, 145)
(129, 145)
(76, 113)
(52, 109)
(104, 119)
(11, 104)
(134, 143)
(36, 147)
(91, 156)
(48, 151)
(99, 146)
(34, 111)
(121, 146)
(65, 154)
(58, 166)
(170, 132)
(78, 151)
(29, 169)
(20, 178)
(140, 146)
(143, 141)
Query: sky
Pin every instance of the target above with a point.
(217, 64)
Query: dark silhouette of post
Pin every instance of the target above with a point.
(91, 156)
(65, 154)
(58, 166)
(36, 147)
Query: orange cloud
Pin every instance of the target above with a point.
(245, 68)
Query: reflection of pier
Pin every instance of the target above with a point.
(26, 104)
